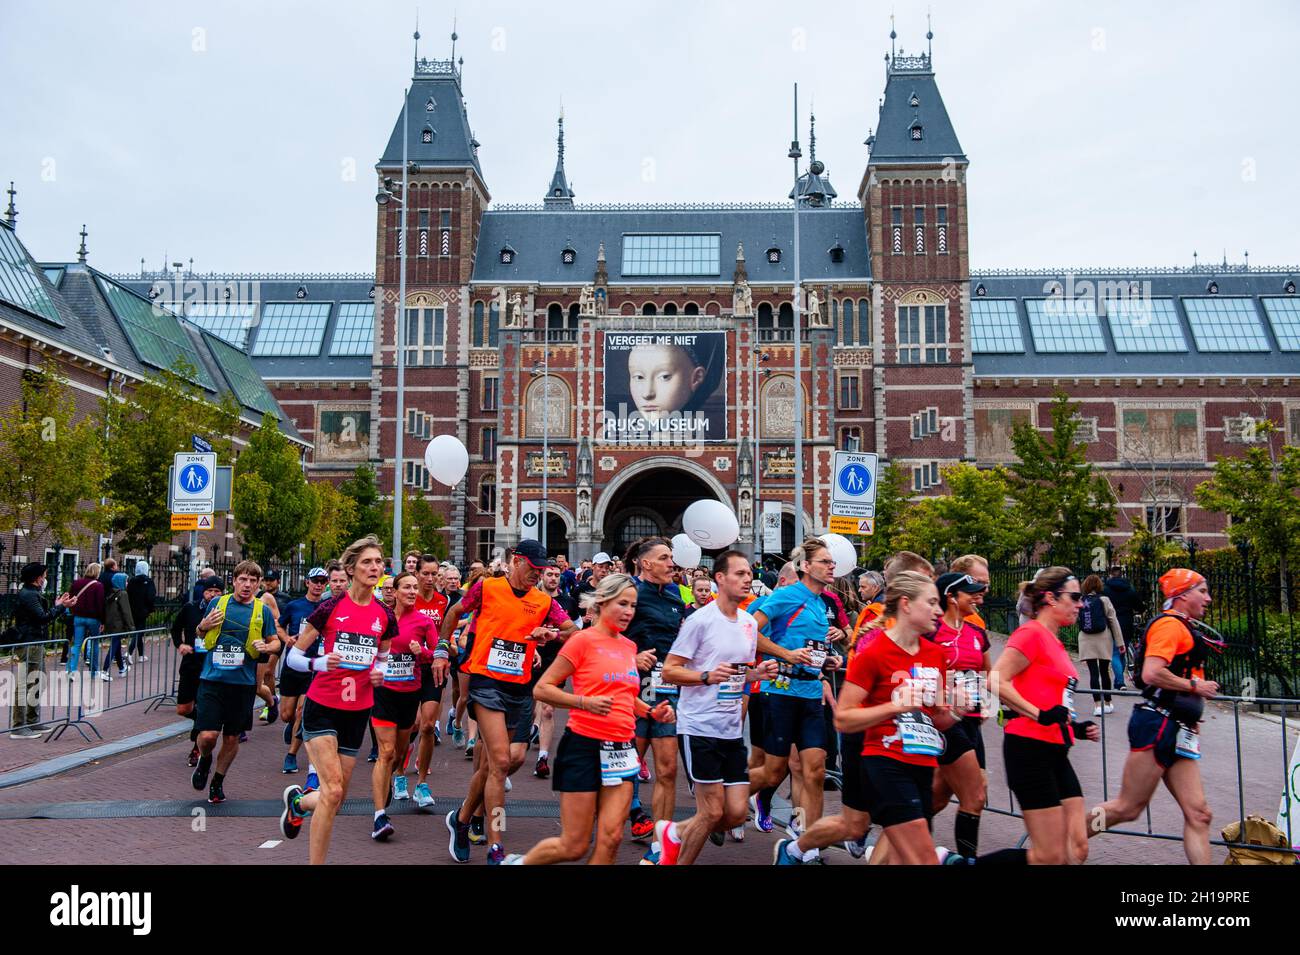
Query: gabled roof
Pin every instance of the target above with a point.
(911, 80)
(1160, 298)
(539, 236)
(434, 101)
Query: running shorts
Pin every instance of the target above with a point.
(711, 760)
(792, 721)
(347, 726)
(1039, 773)
(896, 792)
(395, 708)
(227, 707)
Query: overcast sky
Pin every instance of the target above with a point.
(1098, 134)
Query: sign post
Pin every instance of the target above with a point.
(193, 495)
(853, 495)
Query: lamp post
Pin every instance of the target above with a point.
(543, 368)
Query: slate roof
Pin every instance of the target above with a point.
(1170, 285)
(436, 82)
(540, 235)
(893, 142)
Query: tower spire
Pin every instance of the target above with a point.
(559, 195)
(812, 131)
(454, 38)
(416, 36)
(82, 252)
(11, 214)
(929, 38)
(893, 35)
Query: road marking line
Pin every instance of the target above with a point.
(269, 844)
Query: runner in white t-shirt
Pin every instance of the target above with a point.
(711, 660)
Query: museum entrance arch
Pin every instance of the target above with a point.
(649, 498)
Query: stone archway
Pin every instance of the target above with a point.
(650, 497)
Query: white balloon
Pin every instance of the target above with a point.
(842, 549)
(446, 459)
(686, 553)
(711, 524)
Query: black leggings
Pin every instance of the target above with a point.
(1094, 668)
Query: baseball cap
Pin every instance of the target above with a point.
(317, 573)
(957, 584)
(602, 558)
(211, 583)
(270, 574)
(533, 552)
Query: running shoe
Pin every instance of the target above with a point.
(143, 659)
(535, 735)
(200, 777)
(243, 737)
(643, 773)
(459, 845)
(457, 737)
(543, 768)
(193, 759)
(374, 755)
(814, 860)
(1108, 708)
(857, 848)
(496, 855)
(265, 714)
(469, 750)
(383, 828)
(216, 794)
(513, 859)
(651, 856)
(643, 827)
(668, 846)
(794, 830)
(290, 763)
(423, 798)
(288, 732)
(780, 856)
(477, 837)
(451, 721)
(954, 858)
(737, 834)
(437, 735)
(718, 838)
(290, 818)
(313, 781)
(399, 788)
(1096, 710)
(762, 813)
(509, 784)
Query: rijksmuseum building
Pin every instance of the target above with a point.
(636, 358)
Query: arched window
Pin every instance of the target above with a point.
(766, 327)
(548, 405)
(847, 330)
(670, 308)
(487, 495)
(494, 324)
(864, 322)
(649, 309)
(785, 322)
(691, 309)
(479, 327)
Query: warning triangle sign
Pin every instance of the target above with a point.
(205, 522)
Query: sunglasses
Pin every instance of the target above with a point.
(1074, 595)
(962, 581)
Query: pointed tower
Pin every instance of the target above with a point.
(559, 195)
(913, 194)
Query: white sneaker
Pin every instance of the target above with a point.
(1108, 708)
(509, 785)
(737, 834)
(143, 659)
(1096, 710)
(103, 675)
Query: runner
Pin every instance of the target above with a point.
(797, 619)
(659, 615)
(512, 618)
(1162, 731)
(267, 666)
(432, 603)
(711, 660)
(237, 631)
(966, 658)
(1036, 677)
(544, 713)
(356, 630)
(397, 701)
(894, 696)
(184, 634)
(293, 684)
(338, 578)
(754, 713)
(601, 565)
(411, 562)
(596, 758)
(978, 569)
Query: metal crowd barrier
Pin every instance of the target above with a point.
(66, 700)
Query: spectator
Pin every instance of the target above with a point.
(87, 604)
(1099, 636)
(143, 595)
(106, 575)
(117, 620)
(31, 630)
(1128, 603)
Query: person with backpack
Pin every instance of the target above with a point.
(1169, 669)
(117, 621)
(1128, 603)
(1099, 636)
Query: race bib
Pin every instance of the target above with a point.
(618, 761)
(817, 650)
(356, 650)
(228, 657)
(657, 684)
(928, 679)
(507, 657)
(972, 683)
(733, 688)
(401, 668)
(1067, 696)
(1187, 744)
(920, 737)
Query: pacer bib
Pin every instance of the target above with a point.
(507, 657)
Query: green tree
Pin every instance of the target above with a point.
(972, 517)
(271, 499)
(363, 489)
(142, 432)
(891, 505)
(1260, 491)
(336, 513)
(49, 464)
(420, 527)
(1060, 499)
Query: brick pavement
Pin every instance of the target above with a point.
(160, 773)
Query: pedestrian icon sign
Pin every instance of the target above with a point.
(854, 491)
(193, 487)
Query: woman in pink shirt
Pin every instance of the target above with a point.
(1036, 677)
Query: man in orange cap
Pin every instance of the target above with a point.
(1162, 732)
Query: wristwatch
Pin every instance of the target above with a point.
(1193, 682)
(704, 677)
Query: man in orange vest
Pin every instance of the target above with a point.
(511, 619)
